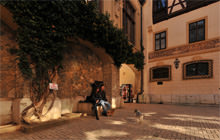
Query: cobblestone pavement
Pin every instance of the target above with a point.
(160, 122)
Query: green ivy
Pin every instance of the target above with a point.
(44, 27)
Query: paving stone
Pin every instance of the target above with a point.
(162, 122)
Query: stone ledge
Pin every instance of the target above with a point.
(85, 107)
(9, 128)
(44, 125)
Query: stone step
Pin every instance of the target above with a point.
(9, 128)
(44, 125)
(72, 115)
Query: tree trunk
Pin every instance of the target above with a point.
(34, 112)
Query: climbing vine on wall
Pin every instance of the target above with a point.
(45, 26)
(43, 31)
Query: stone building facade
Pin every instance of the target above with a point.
(83, 64)
(182, 52)
(126, 15)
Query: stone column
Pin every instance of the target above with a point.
(111, 81)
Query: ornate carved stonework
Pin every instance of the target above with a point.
(204, 45)
(117, 7)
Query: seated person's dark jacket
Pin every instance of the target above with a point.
(98, 96)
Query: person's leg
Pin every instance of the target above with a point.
(94, 108)
(108, 105)
(102, 102)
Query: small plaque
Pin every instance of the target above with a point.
(53, 86)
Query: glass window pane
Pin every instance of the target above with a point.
(192, 36)
(161, 73)
(124, 23)
(158, 5)
(200, 23)
(192, 26)
(129, 30)
(201, 34)
(163, 34)
(203, 68)
(132, 32)
(163, 3)
(157, 44)
(191, 70)
(157, 36)
(163, 44)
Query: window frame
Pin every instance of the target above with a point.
(129, 15)
(210, 70)
(160, 39)
(160, 79)
(196, 30)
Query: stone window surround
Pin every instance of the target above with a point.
(210, 70)
(160, 79)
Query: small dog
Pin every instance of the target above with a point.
(110, 112)
(139, 115)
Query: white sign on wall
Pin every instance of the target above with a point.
(53, 86)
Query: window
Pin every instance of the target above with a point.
(162, 73)
(197, 31)
(159, 10)
(160, 41)
(129, 21)
(159, 5)
(197, 69)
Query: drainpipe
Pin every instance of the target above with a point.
(142, 50)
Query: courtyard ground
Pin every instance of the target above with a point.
(160, 122)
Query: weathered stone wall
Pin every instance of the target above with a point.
(7, 74)
(7, 62)
(12, 84)
(81, 67)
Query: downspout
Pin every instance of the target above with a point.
(142, 51)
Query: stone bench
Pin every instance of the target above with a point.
(84, 107)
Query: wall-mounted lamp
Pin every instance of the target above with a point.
(176, 63)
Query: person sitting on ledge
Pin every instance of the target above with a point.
(99, 98)
(104, 102)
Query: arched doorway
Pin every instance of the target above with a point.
(129, 83)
